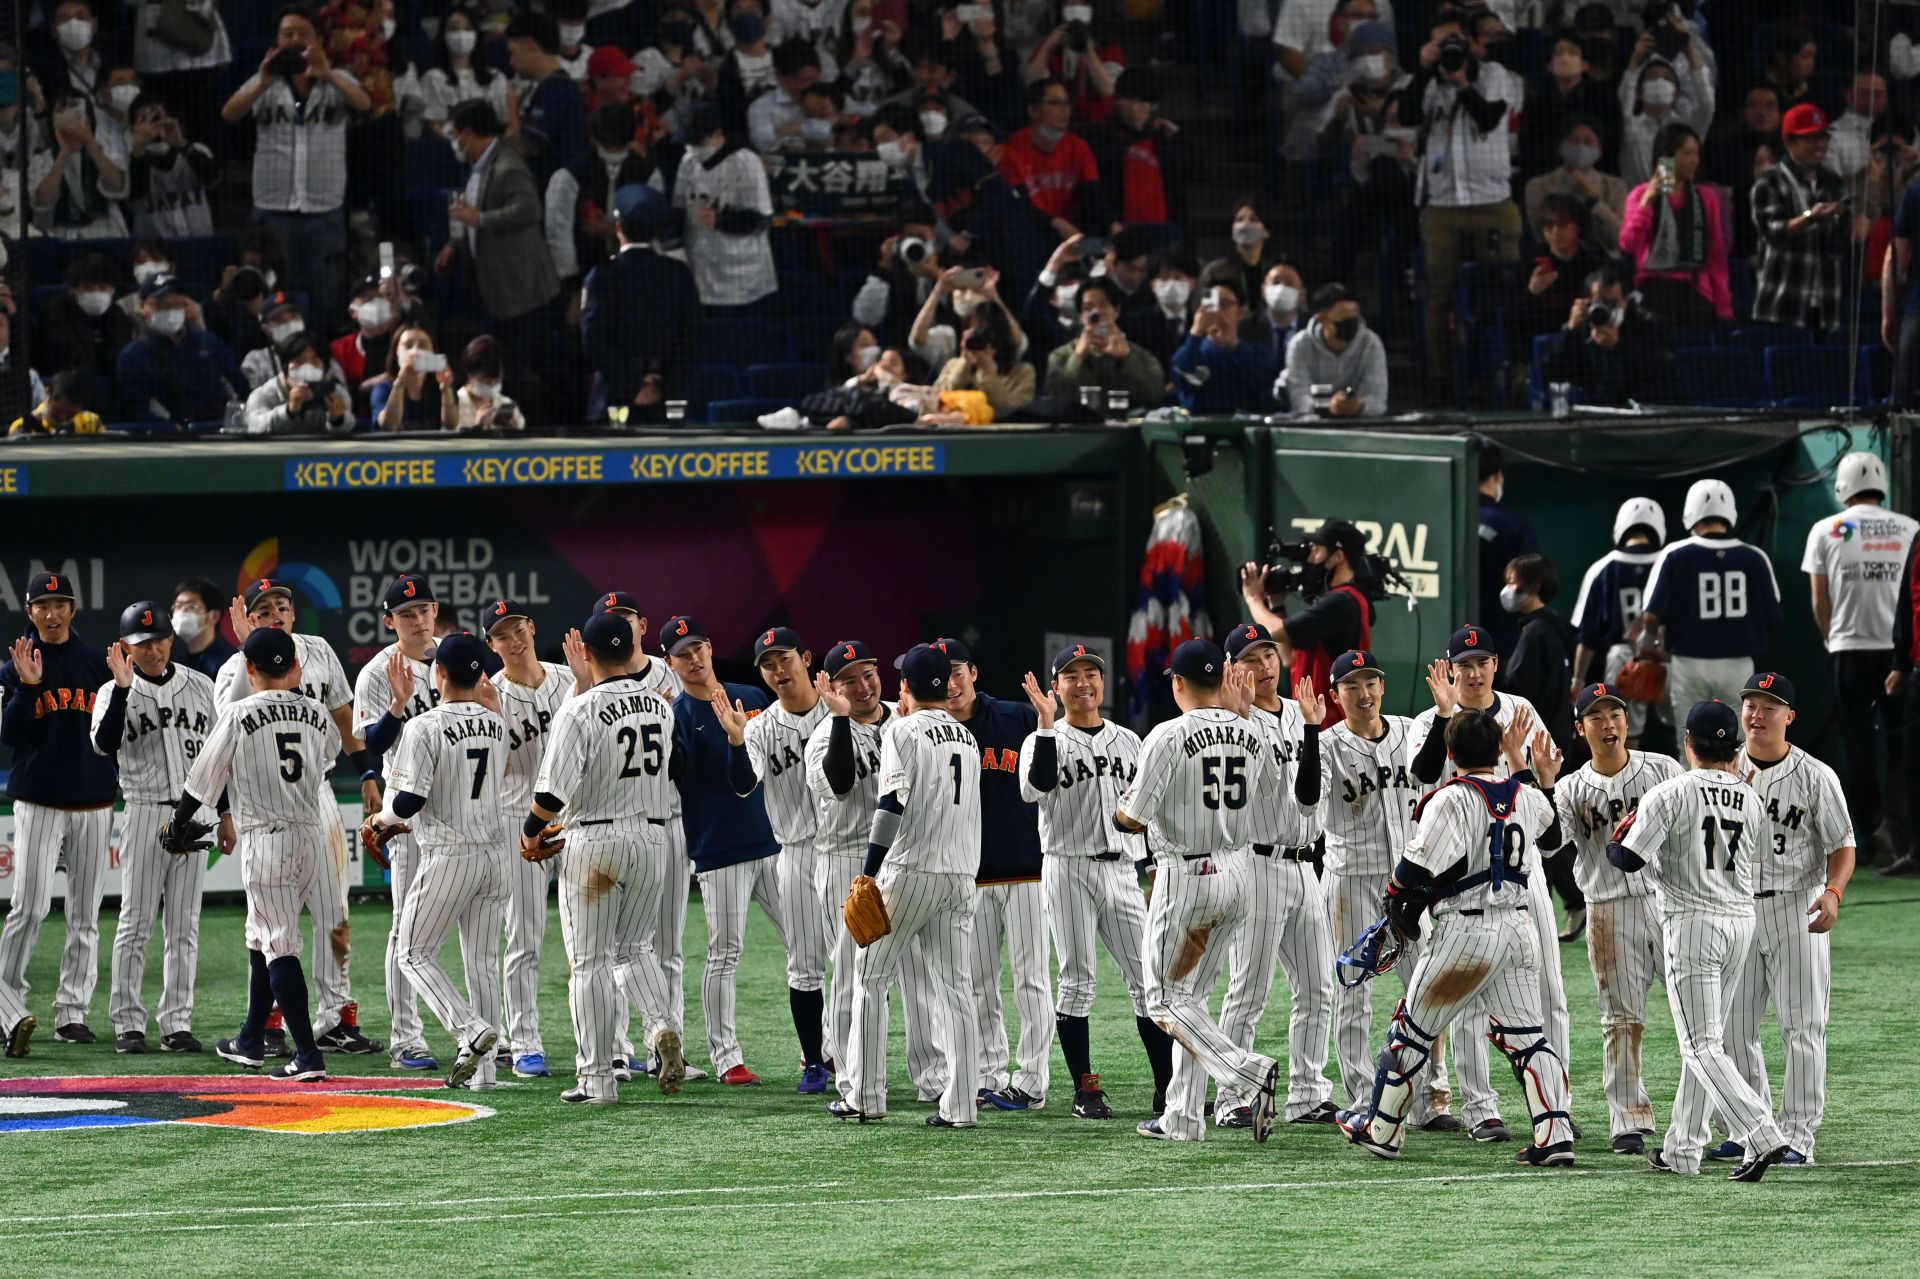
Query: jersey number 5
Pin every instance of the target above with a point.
(1224, 781)
(647, 742)
(292, 766)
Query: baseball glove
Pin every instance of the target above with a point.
(1626, 824)
(866, 912)
(1643, 680)
(546, 845)
(374, 837)
(190, 836)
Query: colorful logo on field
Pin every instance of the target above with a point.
(1843, 530)
(309, 581)
(223, 1101)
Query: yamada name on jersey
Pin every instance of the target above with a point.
(302, 712)
(176, 718)
(1076, 770)
(1379, 778)
(937, 733)
(1221, 735)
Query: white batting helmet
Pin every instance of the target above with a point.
(1640, 510)
(1706, 500)
(1859, 473)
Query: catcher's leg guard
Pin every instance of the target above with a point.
(1381, 1127)
(1541, 1074)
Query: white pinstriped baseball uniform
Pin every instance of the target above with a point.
(1286, 922)
(264, 754)
(776, 743)
(669, 926)
(325, 680)
(167, 721)
(529, 716)
(932, 765)
(842, 824)
(1367, 796)
(1623, 923)
(372, 697)
(1195, 778)
(1479, 1099)
(1806, 822)
(454, 756)
(608, 761)
(1701, 835)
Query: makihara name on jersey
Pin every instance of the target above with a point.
(306, 712)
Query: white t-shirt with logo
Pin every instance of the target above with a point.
(1862, 552)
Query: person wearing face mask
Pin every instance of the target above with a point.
(63, 412)
(198, 642)
(361, 32)
(1338, 615)
(776, 121)
(1361, 59)
(1338, 353)
(113, 100)
(1503, 535)
(1612, 348)
(985, 364)
(1308, 28)
(873, 67)
(1101, 356)
(178, 372)
(1282, 291)
(547, 125)
(77, 185)
(570, 24)
(1602, 196)
(280, 319)
(729, 208)
(482, 404)
(579, 216)
(1051, 315)
(1252, 257)
(1674, 232)
(362, 354)
(82, 329)
(1541, 667)
(301, 399)
(1142, 157)
(954, 310)
(1657, 91)
(640, 324)
(1163, 327)
(1215, 373)
(679, 64)
(747, 70)
(1563, 93)
(233, 312)
(168, 176)
(1052, 165)
(1369, 155)
(462, 75)
(74, 60)
(1805, 229)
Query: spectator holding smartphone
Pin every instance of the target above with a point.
(483, 406)
(418, 393)
(1102, 357)
(1559, 276)
(302, 398)
(1336, 365)
(1674, 230)
(1215, 374)
(1801, 210)
(78, 184)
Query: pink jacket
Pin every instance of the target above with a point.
(1636, 238)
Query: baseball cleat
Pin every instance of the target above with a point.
(622, 1070)
(1090, 1100)
(74, 1032)
(1151, 1129)
(230, 1050)
(295, 1073)
(1657, 1162)
(273, 1043)
(1794, 1159)
(180, 1041)
(1908, 865)
(1728, 1152)
(1324, 1113)
(694, 1073)
(1444, 1123)
(1576, 926)
(1015, 1099)
(814, 1080)
(579, 1097)
(20, 1036)
(343, 1038)
(1360, 1133)
(1233, 1117)
(1756, 1167)
(672, 1067)
(1490, 1130)
(472, 1056)
(503, 1055)
(1264, 1105)
(937, 1120)
(531, 1066)
(847, 1110)
(1558, 1155)
(1629, 1143)
(1575, 1130)
(739, 1076)
(130, 1041)
(416, 1057)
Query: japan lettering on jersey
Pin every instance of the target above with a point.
(1612, 596)
(1716, 596)
(454, 756)
(1505, 707)
(1466, 829)
(528, 713)
(1096, 767)
(1277, 817)
(609, 756)
(167, 722)
(1367, 796)
(1592, 805)
(842, 823)
(373, 691)
(933, 765)
(1699, 834)
(777, 750)
(321, 676)
(1806, 820)
(1197, 776)
(268, 753)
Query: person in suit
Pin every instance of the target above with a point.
(640, 320)
(502, 241)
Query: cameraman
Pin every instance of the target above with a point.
(898, 286)
(1611, 349)
(1338, 615)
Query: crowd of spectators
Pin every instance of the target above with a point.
(496, 214)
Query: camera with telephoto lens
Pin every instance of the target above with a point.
(324, 389)
(1454, 51)
(1602, 315)
(1372, 574)
(290, 61)
(913, 250)
(1285, 578)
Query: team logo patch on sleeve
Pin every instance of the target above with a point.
(322, 1108)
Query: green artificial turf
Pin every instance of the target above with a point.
(745, 1181)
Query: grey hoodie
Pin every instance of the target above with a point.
(1363, 366)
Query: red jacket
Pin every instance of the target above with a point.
(1315, 661)
(1050, 178)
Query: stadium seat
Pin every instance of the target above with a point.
(708, 383)
(199, 259)
(1761, 334)
(45, 295)
(743, 412)
(784, 382)
(811, 337)
(46, 258)
(742, 342)
(1717, 376)
(1808, 376)
(1677, 338)
(141, 428)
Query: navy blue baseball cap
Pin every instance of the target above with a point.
(504, 611)
(1245, 637)
(1768, 684)
(1715, 721)
(777, 639)
(926, 670)
(144, 620)
(956, 651)
(269, 651)
(616, 602)
(844, 654)
(1198, 659)
(1075, 653)
(1597, 695)
(1470, 641)
(1355, 661)
(608, 636)
(679, 632)
(463, 654)
(261, 587)
(408, 588)
(160, 286)
(49, 586)
(639, 207)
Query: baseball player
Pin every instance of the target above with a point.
(922, 856)
(1076, 773)
(269, 604)
(1287, 916)
(62, 793)
(610, 761)
(1797, 887)
(263, 756)
(379, 713)
(448, 771)
(1716, 597)
(1464, 681)
(1623, 919)
(1698, 836)
(1611, 597)
(1369, 796)
(1190, 795)
(153, 716)
(1011, 905)
(1470, 862)
(772, 756)
(843, 772)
